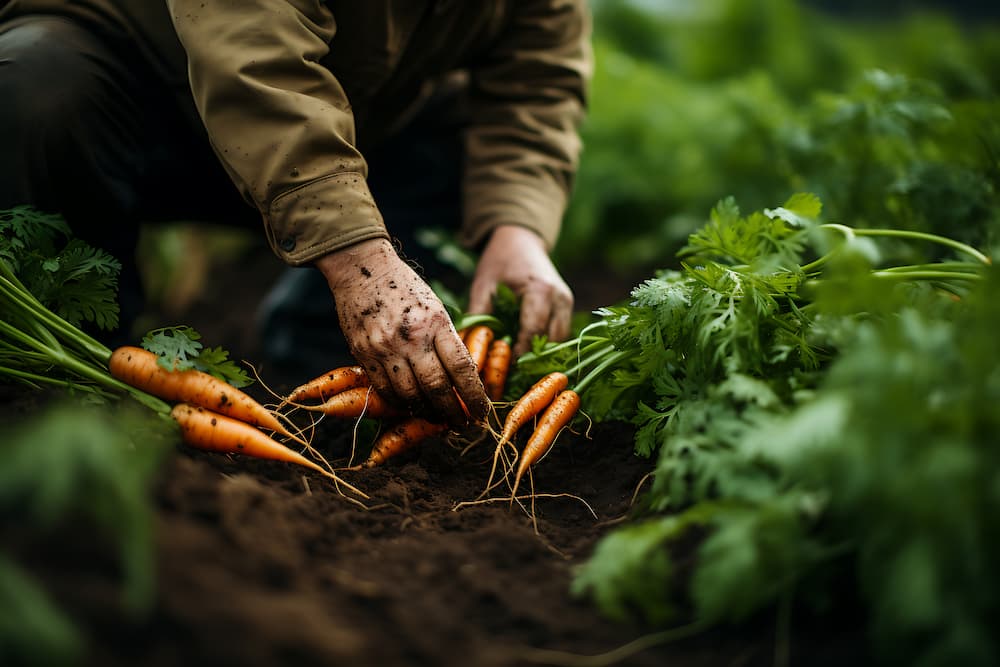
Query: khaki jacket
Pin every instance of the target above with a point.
(292, 91)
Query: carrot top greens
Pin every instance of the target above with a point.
(50, 285)
(816, 406)
(179, 348)
(74, 280)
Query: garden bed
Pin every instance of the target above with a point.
(261, 563)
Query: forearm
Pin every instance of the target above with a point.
(279, 121)
(528, 100)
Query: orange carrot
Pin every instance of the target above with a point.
(211, 431)
(355, 402)
(558, 414)
(401, 437)
(478, 340)
(330, 383)
(138, 368)
(532, 402)
(496, 368)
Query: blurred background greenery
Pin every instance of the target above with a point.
(886, 109)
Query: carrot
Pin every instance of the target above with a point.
(556, 416)
(330, 383)
(495, 369)
(214, 432)
(355, 402)
(532, 402)
(401, 437)
(477, 341)
(138, 368)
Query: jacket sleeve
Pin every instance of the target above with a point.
(279, 121)
(528, 97)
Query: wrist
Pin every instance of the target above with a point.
(517, 235)
(356, 262)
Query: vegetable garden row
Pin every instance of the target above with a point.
(809, 370)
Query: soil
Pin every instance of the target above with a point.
(261, 563)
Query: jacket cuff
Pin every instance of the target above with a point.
(492, 205)
(322, 216)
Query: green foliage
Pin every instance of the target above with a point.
(507, 309)
(911, 474)
(49, 285)
(38, 347)
(886, 122)
(69, 277)
(631, 560)
(74, 463)
(32, 628)
(815, 411)
(179, 348)
(816, 396)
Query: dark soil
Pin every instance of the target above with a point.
(265, 564)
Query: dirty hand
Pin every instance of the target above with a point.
(517, 257)
(399, 330)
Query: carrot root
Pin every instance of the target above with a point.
(496, 368)
(139, 368)
(477, 341)
(353, 403)
(536, 399)
(211, 431)
(329, 383)
(556, 416)
(401, 437)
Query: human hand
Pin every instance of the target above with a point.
(400, 332)
(517, 257)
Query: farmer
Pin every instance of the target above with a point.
(329, 117)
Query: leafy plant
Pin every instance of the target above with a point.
(815, 411)
(76, 463)
(893, 124)
(66, 275)
(737, 310)
(179, 348)
(40, 347)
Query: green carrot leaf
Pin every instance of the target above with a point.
(215, 361)
(179, 348)
(175, 347)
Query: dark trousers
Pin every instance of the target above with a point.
(90, 131)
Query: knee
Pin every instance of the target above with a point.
(46, 71)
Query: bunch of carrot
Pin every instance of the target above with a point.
(346, 393)
(553, 405)
(212, 414)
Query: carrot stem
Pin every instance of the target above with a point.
(468, 321)
(12, 288)
(603, 350)
(926, 275)
(32, 378)
(609, 361)
(59, 357)
(911, 235)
